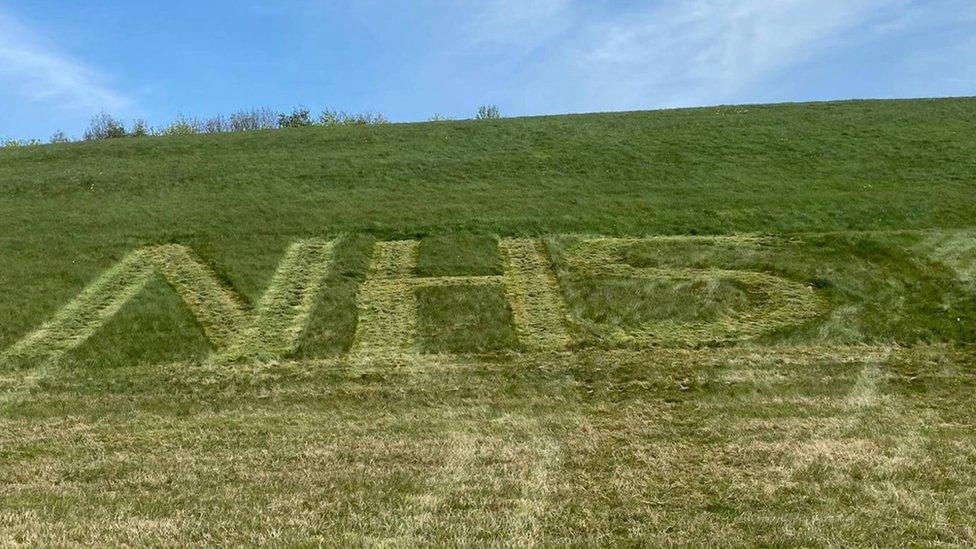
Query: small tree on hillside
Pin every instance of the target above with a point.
(104, 126)
(184, 125)
(140, 128)
(216, 124)
(253, 120)
(299, 118)
(488, 112)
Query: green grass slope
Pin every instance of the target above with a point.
(794, 366)
(814, 167)
(66, 211)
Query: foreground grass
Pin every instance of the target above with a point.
(851, 425)
(814, 446)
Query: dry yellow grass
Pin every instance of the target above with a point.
(812, 446)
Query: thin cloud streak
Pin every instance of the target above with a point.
(680, 53)
(710, 51)
(519, 23)
(42, 75)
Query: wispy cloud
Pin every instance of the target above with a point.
(709, 51)
(521, 23)
(671, 53)
(38, 73)
(552, 56)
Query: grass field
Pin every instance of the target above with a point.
(733, 326)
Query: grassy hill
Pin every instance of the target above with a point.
(749, 324)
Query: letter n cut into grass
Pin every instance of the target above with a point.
(270, 331)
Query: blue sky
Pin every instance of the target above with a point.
(61, 62)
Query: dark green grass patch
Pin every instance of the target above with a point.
(332, 324)
(464, 319)
(155, 327)
(631, 302)
(459, 255)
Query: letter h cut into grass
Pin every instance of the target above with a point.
(388, 305)
(269, 331)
